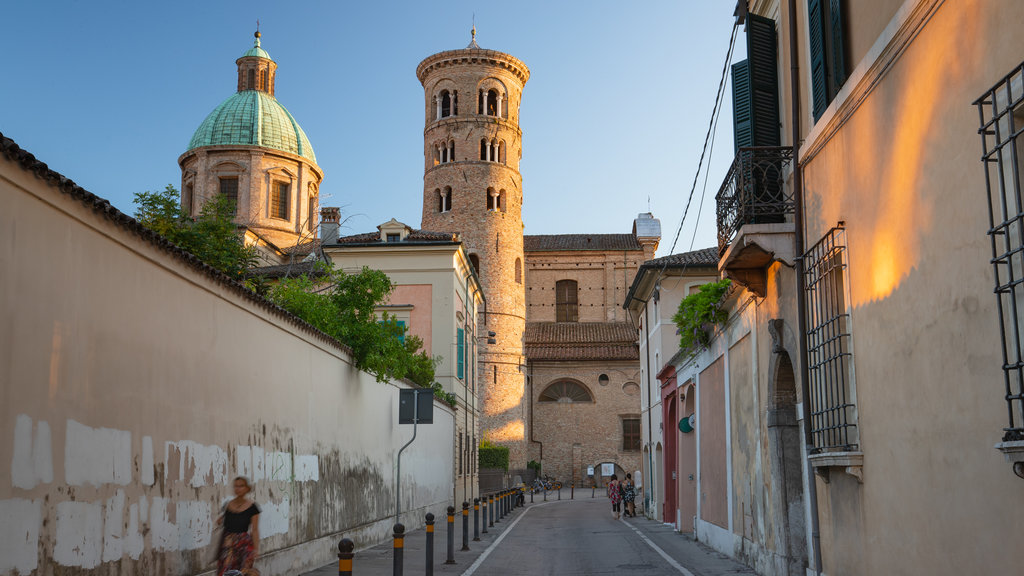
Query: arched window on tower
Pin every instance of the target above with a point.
(566, 301)
(446, 104)
(519, 271)
(492, 200)
(444, 203)
(475, 261)
(501, 152)
(566, 391)
(264, 79)
(483, 149)
(451, 151)
(251, 84)
(493, 106)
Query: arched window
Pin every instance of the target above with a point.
(451, 150)
(444, 203)
(483, 149)
(492, 200)
(565, 391)
(475, 261)
(264, 79)
(501, 152)
(519, 271)
(492, 103)
(446, 104)
(566, 301)
(251, 85)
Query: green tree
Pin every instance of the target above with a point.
(212, 236)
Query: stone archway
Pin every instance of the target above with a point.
(786, 465)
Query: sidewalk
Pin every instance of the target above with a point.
(379, 560)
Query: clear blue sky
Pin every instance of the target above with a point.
(614, 113)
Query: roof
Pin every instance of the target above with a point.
(702, 257)
(581, 341)
(9, 149)
(286, 270)
(256, 51)
(253, 118)
(559, 242)
(414, 237)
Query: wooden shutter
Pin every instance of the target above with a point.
(838, 64)
(819, 86)
(762, 58)
(461, 353)
(741, 105)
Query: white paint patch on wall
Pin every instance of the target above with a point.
(113, 519)
(274, 518)
(163, 534)
(19, 535)
(147, 461)
(32, 462)
(134, 542)
(97, 456)
(195, 524)
(249, 462)
(202, 465)
(307, 468)
(79, 534)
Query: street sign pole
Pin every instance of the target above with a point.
(398, 470)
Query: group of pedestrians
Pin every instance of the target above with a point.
(619, 492)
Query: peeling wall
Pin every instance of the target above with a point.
(135, 387)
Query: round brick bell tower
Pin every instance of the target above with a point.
(471, 185)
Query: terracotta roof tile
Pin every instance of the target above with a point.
(581, 341)
(702, 257)
(414, 237)
(559, 242)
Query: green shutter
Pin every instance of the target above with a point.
(815, 26)
(741, 105)
(838, 63)
(401, 331)
(762, 56)
(461, 362)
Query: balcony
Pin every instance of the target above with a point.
(753, 208)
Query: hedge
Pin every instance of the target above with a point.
(493, 457)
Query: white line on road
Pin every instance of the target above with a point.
(661, 552)
(487, 552)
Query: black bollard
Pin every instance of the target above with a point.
(451, 536)
(559, 492)
(430, 544)
(593, 488)
(497, 508)
(399, 549)
(483, 529)
(345, 555)
(494, 511)
(545, 492)
(572, 491)
(465, 526)
(532, 490)
(476, 519)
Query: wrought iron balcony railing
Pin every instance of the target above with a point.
(754, 191)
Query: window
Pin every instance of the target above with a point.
(828, 60)
(444, 199)
(566, 303)
(475, 261)
(755, 94)
(264, 79)
(501, 152)
(311, 211)
(630, 434)
(251, 84)
(186, 201)
(279, 200)
(493, 200)
(394, 238)
(229, 188)
(489, 150)
(460, 351)
(565, 391)
(1002, 119)
(493, 107)
(519, 271)
(446, 104)
(829, 356)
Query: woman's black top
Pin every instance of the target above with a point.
(238, 522)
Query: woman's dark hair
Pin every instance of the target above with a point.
(629, 476)
(614, 477)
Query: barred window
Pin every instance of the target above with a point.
(279, 200)
(229, 188)
(1001, 112)
(630, 434)
(829, 355)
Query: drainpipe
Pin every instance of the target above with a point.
(801, 303)
(650, 408)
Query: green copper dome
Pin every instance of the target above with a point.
(253, 118)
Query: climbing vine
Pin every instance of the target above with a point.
(700, 313)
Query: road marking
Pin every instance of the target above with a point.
(487, 552)
(661, 552)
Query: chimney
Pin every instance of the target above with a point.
(330, 221)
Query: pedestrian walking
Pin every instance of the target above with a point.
(240, 539)
(615, 495)
(629, 496)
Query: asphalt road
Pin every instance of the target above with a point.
(580, 537)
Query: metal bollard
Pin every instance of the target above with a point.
(451, 536)
(545, 492)
(430, 544)
(494, 511)
(484, 502)
(476, 519)
(465, 526)
(498, 515)
(593, 488)
(559, 492)
(531, 494)
(345, 555)
(572, 491)
(399, 549)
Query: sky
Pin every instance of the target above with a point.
(614, 114)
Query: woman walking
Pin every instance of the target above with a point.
(629, 496)
(614, 495)
(238, 544)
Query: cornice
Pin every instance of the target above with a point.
(465, 57)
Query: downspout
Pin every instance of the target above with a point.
(650, 409)
(801, 303)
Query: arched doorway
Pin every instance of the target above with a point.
(659, 485)
(784, 444)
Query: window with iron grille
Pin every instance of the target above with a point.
(279, 200)
(1001, 112)
(566, 301)
(631, 434)
(829, 353)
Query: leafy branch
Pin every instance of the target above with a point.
(700, 313)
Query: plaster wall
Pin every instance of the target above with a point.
(900, 166)
(135, 386)
(713, 446)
